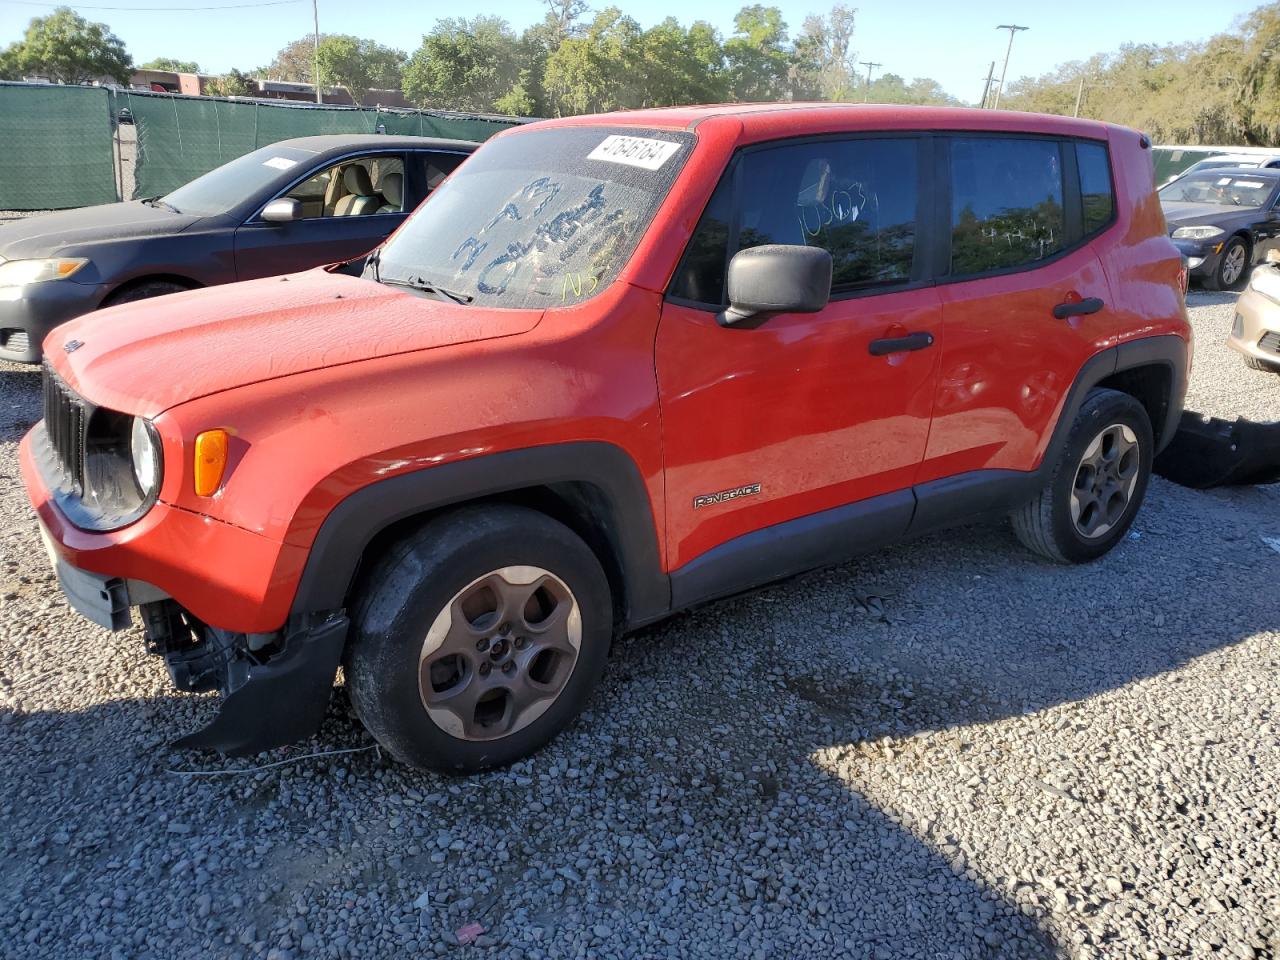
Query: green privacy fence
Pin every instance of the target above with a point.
(55, 147)
(180, 137)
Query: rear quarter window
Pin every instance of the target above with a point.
(1096, 194)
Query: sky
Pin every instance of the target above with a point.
(953, 42)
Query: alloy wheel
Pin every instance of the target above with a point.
(1105, 480)
(1233, 264)
(499, 653)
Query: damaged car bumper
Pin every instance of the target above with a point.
(275, 684)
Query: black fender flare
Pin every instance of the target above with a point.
(350, 527)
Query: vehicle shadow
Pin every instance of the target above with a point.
(749, 770)
(1200, 297)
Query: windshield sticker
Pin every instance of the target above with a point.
(280, 163)
(634, 151)
(1224, 181)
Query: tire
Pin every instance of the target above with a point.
(427, 627)
(1253, 363)
(1049, 524)
(1235, 252)
(143, 291)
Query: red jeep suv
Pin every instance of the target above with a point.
(614, 367)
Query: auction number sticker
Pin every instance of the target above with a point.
(280, 163)
(634, 151)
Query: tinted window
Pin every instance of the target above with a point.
(1095, 185)
(855, 198)
(1006, 203)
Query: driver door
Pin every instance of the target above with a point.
(799, 415)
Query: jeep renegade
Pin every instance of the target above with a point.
(614, 367)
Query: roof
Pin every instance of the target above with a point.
(762, 117)
(342, 142)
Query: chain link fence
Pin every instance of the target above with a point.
(61, 150)
(57, 147)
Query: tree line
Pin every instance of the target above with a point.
(1224, 90)
(572, 61)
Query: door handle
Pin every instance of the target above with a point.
(1078, 308)
(912, 341)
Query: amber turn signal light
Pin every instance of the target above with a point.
(211, 461)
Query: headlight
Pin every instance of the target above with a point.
(1197, 233)
(16, 273)
(144, 447)
(1266, 281)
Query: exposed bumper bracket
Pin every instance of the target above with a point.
(271, 703)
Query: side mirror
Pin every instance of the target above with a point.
(776, 278)
(282, 210)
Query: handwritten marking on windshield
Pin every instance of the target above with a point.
(581, 285)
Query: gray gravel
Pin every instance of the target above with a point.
(945, 750)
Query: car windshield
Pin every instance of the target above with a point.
(539, 218)
(225, 187)
(1239, 190)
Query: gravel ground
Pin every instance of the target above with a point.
(945, 750)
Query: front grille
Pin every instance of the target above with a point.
(1270, 342)
(65, 417)
(15, 340)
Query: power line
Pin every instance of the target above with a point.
(226, 6)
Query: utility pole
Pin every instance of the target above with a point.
(866, 91)
(986, 90)
(1079, 95)
(315, 17)
(1013, 28)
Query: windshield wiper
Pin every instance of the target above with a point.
(417, 283)
(157, 202)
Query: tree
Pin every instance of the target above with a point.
(67, 48)
(681, 66)
(9, 68)
(234, 83)
(296, 61)
(598, 70)
(759, 62)
(359, 65)
(171, 65)
(824, 60)
(464, 64)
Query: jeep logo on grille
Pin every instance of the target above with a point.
(724, 496)
(71, 346)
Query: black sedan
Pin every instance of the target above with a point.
(291, 206)
(1224, 221)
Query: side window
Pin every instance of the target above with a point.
(1006, 203)
(1095, 185)
(427, 171)
(350, 188)
(855, 198)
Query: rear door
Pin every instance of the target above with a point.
(322, 236)
(797, 415)
(1018, 249)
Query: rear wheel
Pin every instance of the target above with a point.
(1232, 266)
(478, 638)
(1095, 492)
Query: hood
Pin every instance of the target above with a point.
(1193, 214)
(147, 356)
(50, 234)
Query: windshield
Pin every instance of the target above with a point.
(540, 218)
(232, 183)
(1240, 190)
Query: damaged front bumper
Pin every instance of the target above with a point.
(1211, 452)
(275, 686)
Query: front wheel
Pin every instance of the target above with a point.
(478, 638)
(1095, 491)
(1232, 268)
